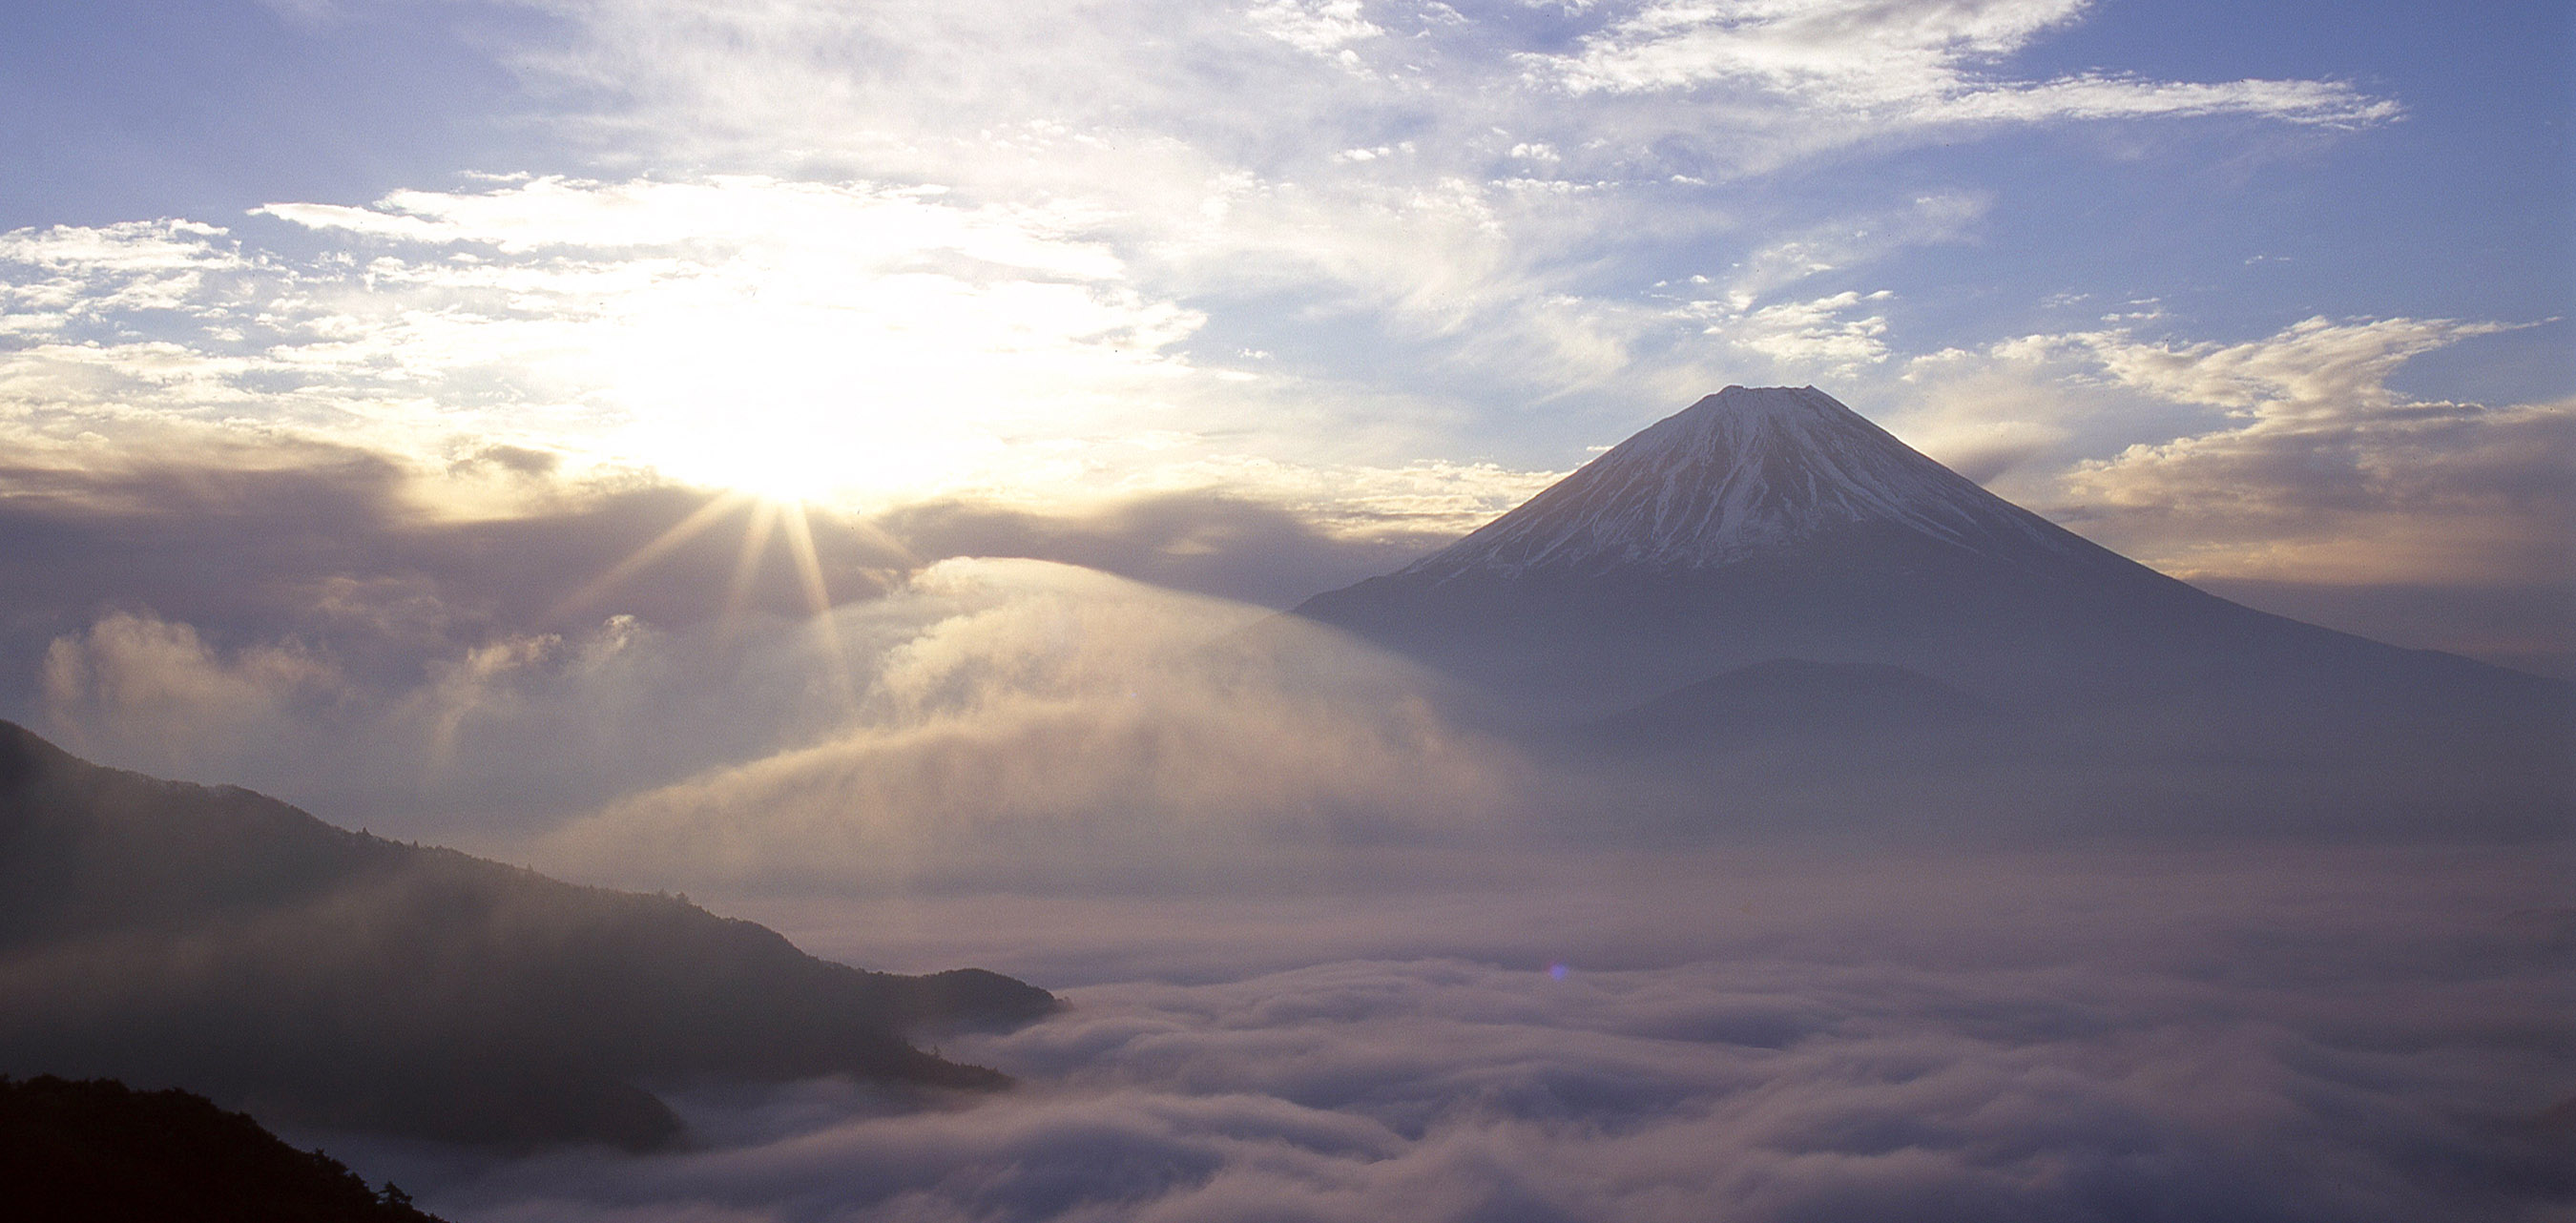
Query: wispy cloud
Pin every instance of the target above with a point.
(1909, 65)
(1323, 27)
(1826, 338)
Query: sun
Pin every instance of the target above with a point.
(793, 403)
(844, 455)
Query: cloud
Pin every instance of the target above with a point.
(2455, 493)
(517, 729)
(380, 562)
(859, 343)
(1034, 720)
(863, 226)
(2321, 471)
(2316, 366)
(1322, 28)
(1207, 543)
(1809, 339)
(135, 685)
(1792, 258)
(828, 327)
(1471, 192)
(1798, 77)
(2290, 457)
(384, 564)
(2290, 471)
(1771, 1038)
(1860, 61)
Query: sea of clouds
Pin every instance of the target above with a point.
(2246, 1033)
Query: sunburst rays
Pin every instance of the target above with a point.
(764, 519)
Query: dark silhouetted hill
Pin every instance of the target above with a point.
(96, 1151)
(177, 935)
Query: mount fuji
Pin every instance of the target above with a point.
(1769, 525)
(1746, 474)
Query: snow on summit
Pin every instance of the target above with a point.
(1744, 472)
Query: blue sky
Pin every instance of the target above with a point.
(2275, 297)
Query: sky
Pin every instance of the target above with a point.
(2275, 299)
(826, 456)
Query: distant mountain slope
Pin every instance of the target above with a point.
(1792, 698)
(178, 935)
(77, 1152)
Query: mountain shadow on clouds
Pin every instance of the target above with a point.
(1773, 523)
(211, 938)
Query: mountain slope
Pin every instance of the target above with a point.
(210, 938)
(1789, 698)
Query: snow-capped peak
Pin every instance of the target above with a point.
(1741, 473)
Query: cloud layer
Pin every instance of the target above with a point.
(1784, 1039)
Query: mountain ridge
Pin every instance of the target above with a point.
(214, 939)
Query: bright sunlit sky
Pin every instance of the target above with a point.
(2275, 296)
